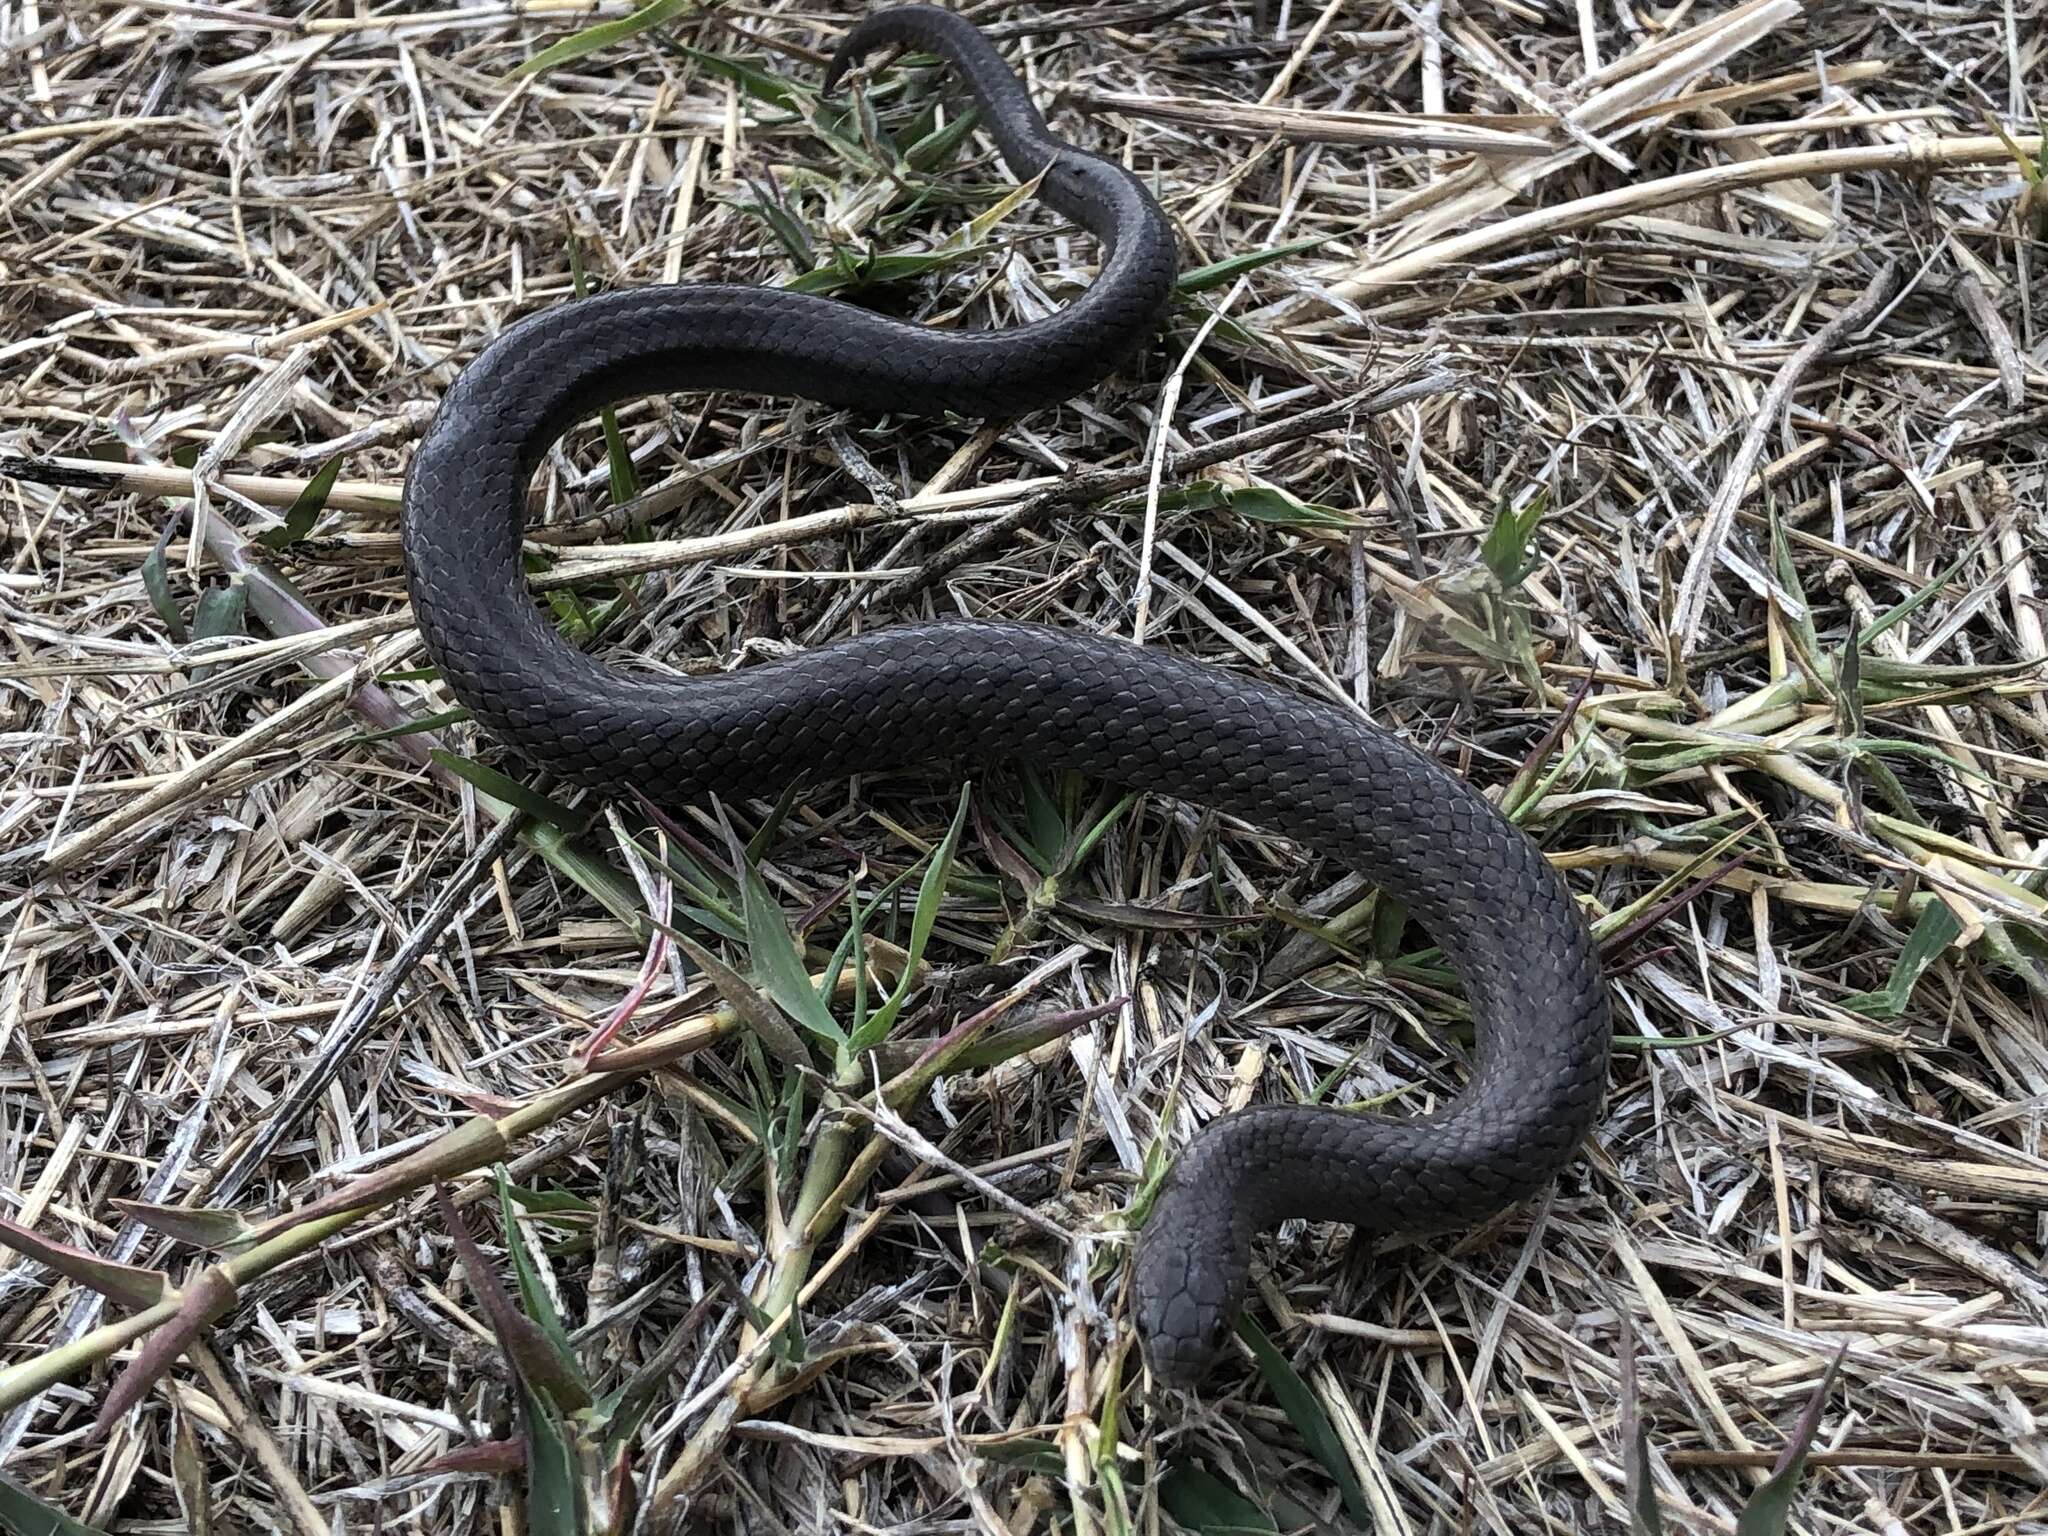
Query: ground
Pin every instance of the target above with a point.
(1639, 409)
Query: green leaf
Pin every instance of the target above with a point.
(1048, 826)
(305, 509)
(2030, 171)
(929, 896)
(624, 481)
(1259, 503)
(1270, 504)
(220, 613)
(984, 223)
(156, 582)
(791, 1139)
(849, 269)
(1805, 638)
(753, 80)
(623, 1412)
(794, 237)
(509, 790)
(533, 1355)
(856, 934)
(603, 35)
(418, 727)
(1204, 1503)
(857, 269)
(1937, 929)
(772, 824)
(1904, 609)
(787, 1343)
(1032, 1455)
(1152, 1177)
(625, 484)
(577, 861)
(755, 1009)
(938, 146)
(1195, 496)
(23, 1514)
(554, 1494)
(550, 1202)
(1849, 687)
(1505, 550)
(1769, 1510)
(1299, 1403)
(778, 962)
(533, 1296)
(1085, 844)
(1217, 273)
(1643, 1516)
(707, 909)
(1479, 642)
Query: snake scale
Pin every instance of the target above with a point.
(976, 691)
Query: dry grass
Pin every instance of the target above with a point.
(1752, 300)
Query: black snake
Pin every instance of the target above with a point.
(921, 693)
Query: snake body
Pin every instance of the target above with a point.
(976, 691)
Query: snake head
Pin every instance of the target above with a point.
(1187, 1284)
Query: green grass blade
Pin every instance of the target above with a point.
(534, 1358)
(1769, 1510)
(554, 1494)
(534, 1299)
(1201, 1502)
(752, 80)
(1505, 549)
(929, 896)
(778, 962)
(938, 146)
(419, 727)
(785, 226)
(1217, 273)
(23, 1514)
(222, 611)
(1899, 612)
(513, 793)
(585, 868)
(625, 484)
(852, 269)
(1048, 826)
(603, 35)
(771, 824)
(1299, 1403)
(305, 509)
(156, 581)
(1085, 845)
(1849, 687)
(754, 1007)
(555, 833)
(1937, 929)
(1270, 504)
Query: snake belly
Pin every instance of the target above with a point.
(915, 694)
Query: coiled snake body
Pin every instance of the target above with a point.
(986, 691)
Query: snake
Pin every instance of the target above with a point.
(983, 691)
